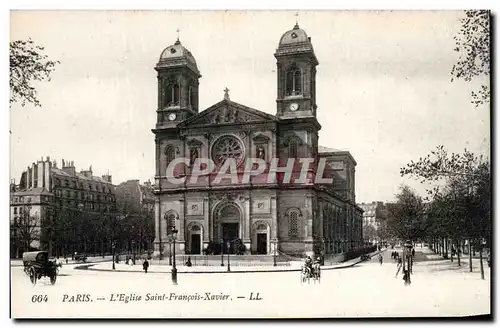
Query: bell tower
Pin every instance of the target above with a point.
(178, 86)
(296, 69)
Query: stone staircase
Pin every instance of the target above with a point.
(244, 260)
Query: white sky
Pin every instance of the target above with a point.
(383, 85)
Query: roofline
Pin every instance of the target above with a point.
(337, 153)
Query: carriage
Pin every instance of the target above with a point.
(308, 273)
(38, 265)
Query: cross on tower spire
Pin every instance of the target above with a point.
(226, 93)
(178, 41)
(296, 19)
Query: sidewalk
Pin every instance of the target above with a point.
(90, 260)
(293, 266)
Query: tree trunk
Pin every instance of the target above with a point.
(470, 255)
(450, 244)
(458, 251)
(445, 242)
(481, 262)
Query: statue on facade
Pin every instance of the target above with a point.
(261, 153)
(193, 156)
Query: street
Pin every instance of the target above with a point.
(365, 290)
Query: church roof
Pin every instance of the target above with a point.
(295, 41)
(228, 112)
(323, 149)
(295, 35)
(177, 55)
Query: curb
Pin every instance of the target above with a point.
(88, 267)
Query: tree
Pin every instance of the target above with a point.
(473, 45)
(27, 228)
(405, 217)
(28, 64)
(369, 232)
(464, 201)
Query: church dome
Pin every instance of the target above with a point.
(177, 55)
(295, 35)
(295, 42)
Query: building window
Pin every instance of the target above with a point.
(227, 147)
(15, 210)
(170, 153)
(293, 81)
(292, 148)
(190, 97)
(293, 224)
(172, 95)
(170, 218)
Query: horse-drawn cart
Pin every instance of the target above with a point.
(37, 265)
(313, 272)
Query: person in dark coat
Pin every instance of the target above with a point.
(145, 265)
(188, 262)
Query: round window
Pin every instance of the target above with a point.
(227, 147)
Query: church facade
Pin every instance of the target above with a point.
(282, 204)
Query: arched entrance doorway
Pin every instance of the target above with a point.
(195, 238)
(227, 224)
(261, 234)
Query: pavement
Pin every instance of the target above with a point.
(253, 268)
(367, 290)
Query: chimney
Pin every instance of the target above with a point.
(69, 168)
(107, 178)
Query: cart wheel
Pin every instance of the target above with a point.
(53, 279)
(33, 276)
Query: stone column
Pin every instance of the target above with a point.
(247, 221)
(182, 222)
(206, 222)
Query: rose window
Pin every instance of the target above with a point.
(227, 147)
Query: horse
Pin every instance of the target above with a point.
(316, 273)
(305, 274)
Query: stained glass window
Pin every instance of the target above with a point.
(227, 147)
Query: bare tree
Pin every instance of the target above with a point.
(27, 228)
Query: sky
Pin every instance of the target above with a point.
(383, 85)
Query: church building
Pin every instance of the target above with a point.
(308, 218)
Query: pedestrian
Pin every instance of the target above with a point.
(413, 252)
(380, 259)
(188, 262)
(399, 265)
(145, 265)
(406, 277)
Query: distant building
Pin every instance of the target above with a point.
(49, 193)
(132, 197)
(135, 204)
(374, 219)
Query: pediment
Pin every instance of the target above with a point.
(194, 143)
(227, 112)
(260, 138)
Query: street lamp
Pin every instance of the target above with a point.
(408, 246)
(113, 245)
(174, 269)
(275, 243)
(222, 252)
(228, 263)
(170, 250)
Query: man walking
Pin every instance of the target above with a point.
(400, 265)
(145, 265)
